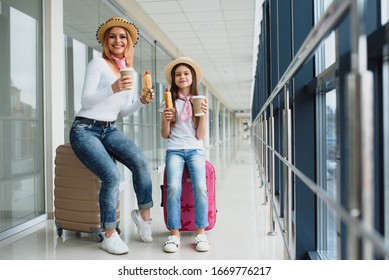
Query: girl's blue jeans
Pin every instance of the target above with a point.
(175, 163)
(97, 147)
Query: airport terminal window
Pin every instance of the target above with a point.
(211, 117)
(161, 60)
(22, 193)
(142, 123)
(331, 168)
(79, 61)
(325, 57)
(384, 11)
(385, 89)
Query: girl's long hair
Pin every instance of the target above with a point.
(174, 88)
(128, 52)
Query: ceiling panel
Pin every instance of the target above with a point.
(165, 7)
(200, 5)
(170, 27)
(176, 18)
(206, 16)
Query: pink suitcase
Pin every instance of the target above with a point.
(187, 199)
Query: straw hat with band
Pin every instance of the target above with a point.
(121, 22)
(180, 60)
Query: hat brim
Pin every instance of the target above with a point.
(180, 60)
(120, 22)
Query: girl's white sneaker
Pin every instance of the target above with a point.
(201, 242)
(172, 244)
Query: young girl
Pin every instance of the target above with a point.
(184, 133)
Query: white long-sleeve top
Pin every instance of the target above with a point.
(98, 100)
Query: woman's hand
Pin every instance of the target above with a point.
(147, 97)
(122, 84)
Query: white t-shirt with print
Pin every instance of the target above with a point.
(183, 134)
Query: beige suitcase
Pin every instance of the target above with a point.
(76, 194)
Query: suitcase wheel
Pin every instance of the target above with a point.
(59, 229)
(99, 237)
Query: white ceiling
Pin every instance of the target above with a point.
(220, 35)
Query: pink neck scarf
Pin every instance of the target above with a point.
(186, 112)
(121, 63)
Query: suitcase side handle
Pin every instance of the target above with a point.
(162, 201)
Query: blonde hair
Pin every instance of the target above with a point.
(128, 52)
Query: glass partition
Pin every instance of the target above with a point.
(161, 60)
(22, 185)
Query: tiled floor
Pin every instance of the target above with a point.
(240, 232)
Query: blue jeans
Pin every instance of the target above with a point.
(97, 147)
(175, 163)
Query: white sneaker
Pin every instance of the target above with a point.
(144, 227)
(172, 244)
(114, 244)
(201, 242)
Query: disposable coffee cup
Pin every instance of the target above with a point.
(129, 71)
(197, 100)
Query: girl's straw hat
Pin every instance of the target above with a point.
(180, 60)
(121, 22)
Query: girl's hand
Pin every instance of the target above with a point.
(204, 106)
(168, 115)
(122, 84)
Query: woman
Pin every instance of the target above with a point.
(95, 138)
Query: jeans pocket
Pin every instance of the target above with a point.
(77, 126)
